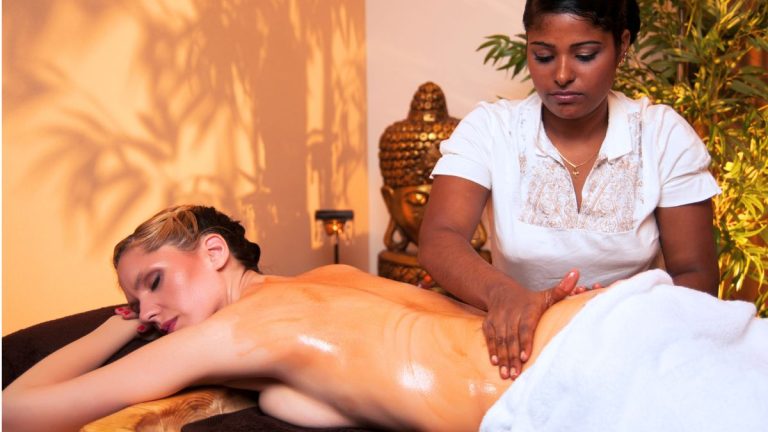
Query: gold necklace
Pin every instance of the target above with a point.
(575, 167)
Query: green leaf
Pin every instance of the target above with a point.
(487, 44)
(760, 43)
(743, 88)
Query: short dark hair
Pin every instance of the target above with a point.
(613, 16)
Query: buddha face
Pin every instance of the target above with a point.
(406, 205)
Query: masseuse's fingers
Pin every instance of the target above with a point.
(497, 334)
(512, 319)
(527, 330)
(502, 348)
(563, 289)
(490, 341)
(515, 362)
(510, 366)
(497, 337)
(579, 289)
(500, 328)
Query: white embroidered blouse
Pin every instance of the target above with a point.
(650, 158)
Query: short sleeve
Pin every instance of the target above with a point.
(684, 161)
(466, 153)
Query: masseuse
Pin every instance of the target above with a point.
(576, 179)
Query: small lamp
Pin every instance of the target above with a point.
(334, 222)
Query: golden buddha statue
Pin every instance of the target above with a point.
(408, 150)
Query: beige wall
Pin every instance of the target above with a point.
(113, 110)
(410, 42)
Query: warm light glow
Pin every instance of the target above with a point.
(111, 114)
(334, 227)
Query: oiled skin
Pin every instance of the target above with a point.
(333, 347)
(376, 351)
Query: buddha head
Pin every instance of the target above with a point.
(408, 151)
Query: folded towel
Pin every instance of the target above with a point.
(646, 356)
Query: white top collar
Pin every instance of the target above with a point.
(618, 138)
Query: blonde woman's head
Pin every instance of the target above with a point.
(183, 226)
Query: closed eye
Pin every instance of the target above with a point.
(586, 57)
(155, 282)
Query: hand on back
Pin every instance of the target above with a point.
(513, 315)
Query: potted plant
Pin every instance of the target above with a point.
(698, 56)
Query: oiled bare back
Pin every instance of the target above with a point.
(377, 351)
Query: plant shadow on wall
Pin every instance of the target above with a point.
(694, 55)
(223, 72)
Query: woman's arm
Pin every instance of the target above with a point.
(68, 389)
(454, 210)
(688, 245)
(21, 410)
(80, 356)
(452, 215)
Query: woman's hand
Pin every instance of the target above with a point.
(142, 330)
(512, 319)
(81, 356)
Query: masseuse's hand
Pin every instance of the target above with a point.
(512, 319)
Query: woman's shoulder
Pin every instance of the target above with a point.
(353, 280)
(346, 276)
(332, 270)
(336, 275)
(499, 118)
(653, 114)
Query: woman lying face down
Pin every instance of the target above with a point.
(332, 347)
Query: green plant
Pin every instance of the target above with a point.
(693, 55)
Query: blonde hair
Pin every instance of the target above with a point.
(182, 227)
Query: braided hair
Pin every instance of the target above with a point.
(183, 226)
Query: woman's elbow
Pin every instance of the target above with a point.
(428, 252)
(425, 244)
(702, 279)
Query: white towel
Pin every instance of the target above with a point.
(646, 356)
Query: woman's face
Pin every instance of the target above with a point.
(572, 64)
(170, 288)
